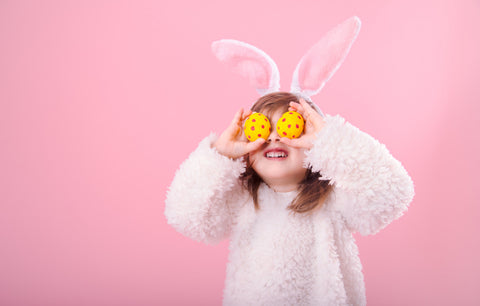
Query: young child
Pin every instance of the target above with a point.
(289, 206)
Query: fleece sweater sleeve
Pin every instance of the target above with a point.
(199, 202)
(371, 187)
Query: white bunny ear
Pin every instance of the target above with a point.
(250, 62)
(319, 64)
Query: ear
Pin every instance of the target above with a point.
(250, 62)
(319, 64)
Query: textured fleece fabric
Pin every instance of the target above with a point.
(278, 257)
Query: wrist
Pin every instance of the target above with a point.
(220, 149)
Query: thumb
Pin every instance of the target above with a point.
(296, 143)
(252, 146)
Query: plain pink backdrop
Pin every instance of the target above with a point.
(100, 102)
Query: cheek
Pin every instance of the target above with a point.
(299, 156)
(298, 163)
(253, 157)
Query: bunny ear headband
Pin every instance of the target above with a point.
(312, 72)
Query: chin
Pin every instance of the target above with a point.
(281, 176)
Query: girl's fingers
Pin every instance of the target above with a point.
(240, 117)
(296, 143)
(301, 143)
(297, 107)
(237, 117)
(252, 146)
(236, 122)
(311, 115)
(303, 108)
(246, 114)
(307, 109)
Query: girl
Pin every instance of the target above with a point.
(289, 206)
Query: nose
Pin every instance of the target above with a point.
(273, 137)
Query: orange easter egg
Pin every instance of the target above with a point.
(290, 125)
(257, 126)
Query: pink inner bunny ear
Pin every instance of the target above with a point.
(325, 57)
(250, 62)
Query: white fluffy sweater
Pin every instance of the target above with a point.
(280, 258)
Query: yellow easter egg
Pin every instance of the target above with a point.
(290, 125)
(257, 126)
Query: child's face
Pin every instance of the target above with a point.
(279, 165)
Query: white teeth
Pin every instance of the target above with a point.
(276, 154)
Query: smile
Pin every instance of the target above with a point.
(276, 154)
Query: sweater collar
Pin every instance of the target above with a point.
(268, 195)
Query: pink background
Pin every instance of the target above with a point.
(100, 101)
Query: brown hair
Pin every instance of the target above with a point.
(312, 191)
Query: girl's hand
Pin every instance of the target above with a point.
(313, 124)
(232, 143)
